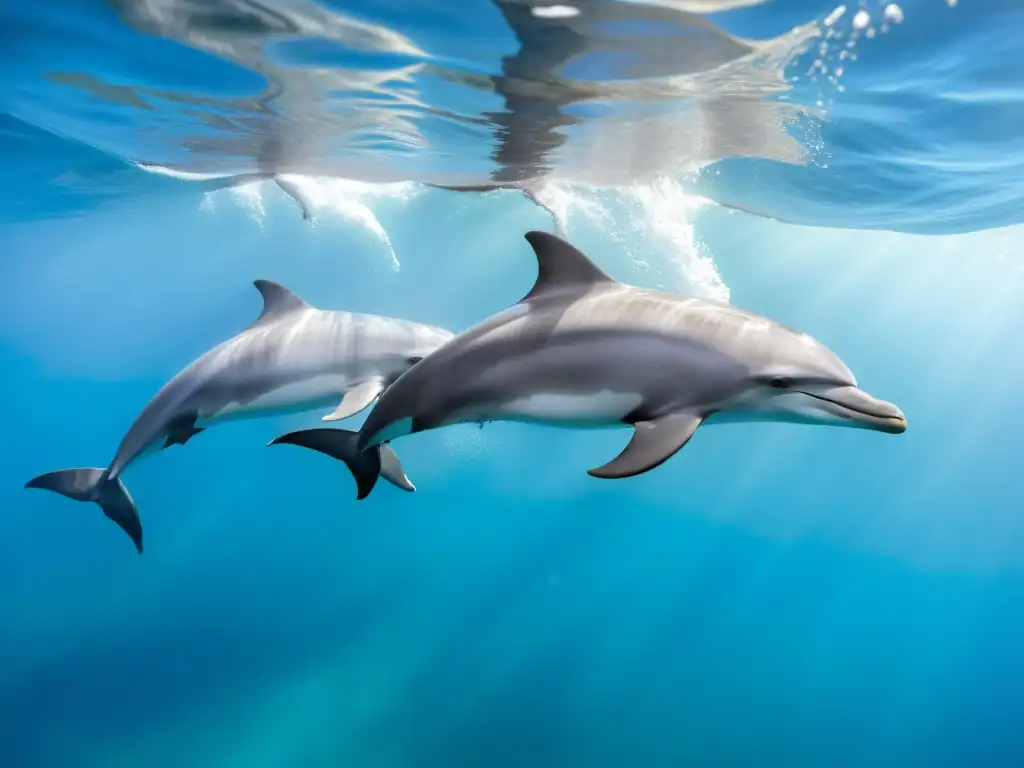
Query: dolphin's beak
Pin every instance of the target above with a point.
(864, 410)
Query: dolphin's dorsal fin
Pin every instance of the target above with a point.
(277, 301)
(561, 266)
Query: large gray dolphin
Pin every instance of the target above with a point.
(581, 349)
(294, 357)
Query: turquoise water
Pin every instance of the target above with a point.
(773, 595)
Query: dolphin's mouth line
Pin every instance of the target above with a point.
(851, 409)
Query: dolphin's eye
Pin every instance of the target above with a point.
(780, 382)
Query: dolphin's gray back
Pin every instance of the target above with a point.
(307, 342)
(760, 344)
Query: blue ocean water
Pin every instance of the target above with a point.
(773, 595)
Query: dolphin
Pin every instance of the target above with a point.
(294, 357)
(582, 349)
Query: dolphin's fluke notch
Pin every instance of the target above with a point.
(653, 443)
(91, 484)
(366, 467)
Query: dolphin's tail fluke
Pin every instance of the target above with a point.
(366, 467)
(93, 485)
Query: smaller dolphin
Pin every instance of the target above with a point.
(581, 349)
(294, 357)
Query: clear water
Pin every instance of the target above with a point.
(773, 595)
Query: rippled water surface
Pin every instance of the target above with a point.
(898, 116)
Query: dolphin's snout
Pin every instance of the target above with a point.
(895, 424)
(891, 418)
(865, 410)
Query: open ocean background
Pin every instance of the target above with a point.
(773, 595)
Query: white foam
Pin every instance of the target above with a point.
(351, 200)
(659, 223)
(668, 213)
(178, 174)
(659, 217)
(250, 197)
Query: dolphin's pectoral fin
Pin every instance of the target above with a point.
(181, 430)
(180, 438)
(356, 399)
(391, 469)
(653, 443)
(561, 265)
